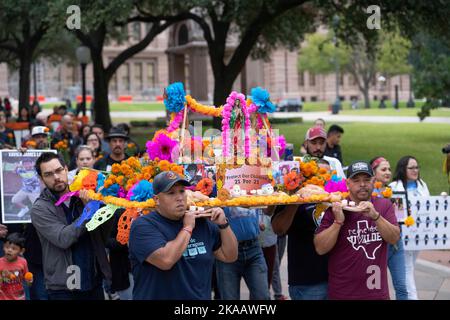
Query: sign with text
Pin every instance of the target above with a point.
(431, 230)
(247, 177)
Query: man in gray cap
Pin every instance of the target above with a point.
(117, 140)
(172, 250)
(356, 239)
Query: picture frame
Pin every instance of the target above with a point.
(20, 184)
(400, 202)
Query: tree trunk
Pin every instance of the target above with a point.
(24, 80)
(365, 92)
(101, 102)
(222, 88)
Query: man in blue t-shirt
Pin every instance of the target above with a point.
(250, 264)
(172, 250)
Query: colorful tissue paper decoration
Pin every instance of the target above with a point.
(176, 97)
(161, 147)
(261, 98)
(336, 184)
(129, 185)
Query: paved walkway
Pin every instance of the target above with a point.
(432, 278)
(307, 116)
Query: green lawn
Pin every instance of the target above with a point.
(365, 141)
(308, 107)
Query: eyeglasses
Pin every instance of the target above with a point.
(413, 168)
(50, 174)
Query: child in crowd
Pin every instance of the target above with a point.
(13, 269)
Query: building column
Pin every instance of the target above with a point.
(198, 74)
(176, 68)
(4, 80)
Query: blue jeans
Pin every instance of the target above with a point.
(251, 266)
(311, 292)
(397, 267)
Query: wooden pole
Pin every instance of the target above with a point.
(183, 127)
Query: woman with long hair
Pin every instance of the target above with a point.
(94, 141)
(396, 253)
(407, 178)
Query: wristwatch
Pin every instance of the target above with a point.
(224, 226)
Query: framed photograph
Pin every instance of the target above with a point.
(398, 199)
(210, 172)
(20, 185)
(194, 172)
(282, 168)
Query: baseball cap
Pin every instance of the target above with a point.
(315, 132)
(359, 167)
(39, 130)
(166, 180)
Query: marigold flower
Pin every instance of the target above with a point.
(409, 221)
(378, 185)
(205, 186)
(28, 276)
(387, 193)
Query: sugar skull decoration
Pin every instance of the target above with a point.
(267, 189)
(236, 191)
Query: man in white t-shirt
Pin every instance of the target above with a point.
(316, 141)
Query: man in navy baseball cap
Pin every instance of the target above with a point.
(165, 180)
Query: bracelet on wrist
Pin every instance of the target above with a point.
(378, 217)
(224, 226)
(339, 222)
(187, 230)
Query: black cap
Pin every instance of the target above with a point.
(116, 133)
(166, 180)
(359, 167)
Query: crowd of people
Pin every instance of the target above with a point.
(174, 254)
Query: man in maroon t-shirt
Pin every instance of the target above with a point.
(357, 241)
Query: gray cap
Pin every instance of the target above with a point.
(166, 180)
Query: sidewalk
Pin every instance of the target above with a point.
(307, 116)
(432, 276)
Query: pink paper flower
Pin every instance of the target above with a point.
(161, 147)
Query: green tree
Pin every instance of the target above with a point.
(103, 22)
(362, 58)
(23, 25)
(258, 25)
(430, 57)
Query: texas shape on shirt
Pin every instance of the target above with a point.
(363, 236)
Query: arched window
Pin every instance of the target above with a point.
(183, 35)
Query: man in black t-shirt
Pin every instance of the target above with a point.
(307, 271)
(117, 140)
(334, 135)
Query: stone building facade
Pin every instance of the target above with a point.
(180, 54)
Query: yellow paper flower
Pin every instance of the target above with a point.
(77, 182)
